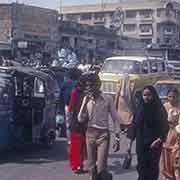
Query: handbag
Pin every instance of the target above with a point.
(127, 161)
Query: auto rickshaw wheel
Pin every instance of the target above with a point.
(50, 139)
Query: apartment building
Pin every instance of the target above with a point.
(90, 43)
(95, 43)
(151, 21)
(24, 29)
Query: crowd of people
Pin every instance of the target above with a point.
(155, 127)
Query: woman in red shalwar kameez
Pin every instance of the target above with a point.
(77, 147)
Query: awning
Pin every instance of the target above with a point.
(5, 46)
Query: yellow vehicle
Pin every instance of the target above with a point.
(141, 71)
(163, 86)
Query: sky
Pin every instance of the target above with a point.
(55, 4)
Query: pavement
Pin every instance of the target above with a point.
(52, 164)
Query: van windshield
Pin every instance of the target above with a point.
(121, 66)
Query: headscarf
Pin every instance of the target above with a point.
(153, 113)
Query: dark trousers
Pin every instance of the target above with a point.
(148, 162)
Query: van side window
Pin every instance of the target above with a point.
(153, 67)
(145, 68)
(161, 67)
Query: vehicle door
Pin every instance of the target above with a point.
(39, 107)
(6, 99)
(23, 106)
(51, 104)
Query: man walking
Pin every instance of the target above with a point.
(95, 109)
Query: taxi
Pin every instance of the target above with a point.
(141, 70)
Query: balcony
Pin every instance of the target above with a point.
(145, 33)
(167, 17)
(67, 26)
(169, 33)
(167, 42)
(99, 21)
(146, 18)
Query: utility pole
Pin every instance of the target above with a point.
(60, 9)
(102, 5)
(60, 6)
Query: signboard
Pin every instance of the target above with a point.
(37, 21)
(22, 44)
(5, 23)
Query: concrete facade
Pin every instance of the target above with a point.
(94, 43)
(89, 42)
(151, 21)
(27, 27)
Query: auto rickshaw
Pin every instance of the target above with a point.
(59, 74)
(27, 107)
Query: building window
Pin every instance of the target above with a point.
(86, 16)
(146, 41)
(130, 14)
(145, 28)
(146, 13)
(158, 40)
(72, 17)
(178, 15)
(159, 12)
(129, 27)
(169, 29)
(111, 14)
(158, 27)
(98, 15)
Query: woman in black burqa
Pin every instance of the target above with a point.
(150, 128)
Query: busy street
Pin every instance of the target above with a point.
(90, 90)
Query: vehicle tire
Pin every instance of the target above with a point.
(50, 139)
